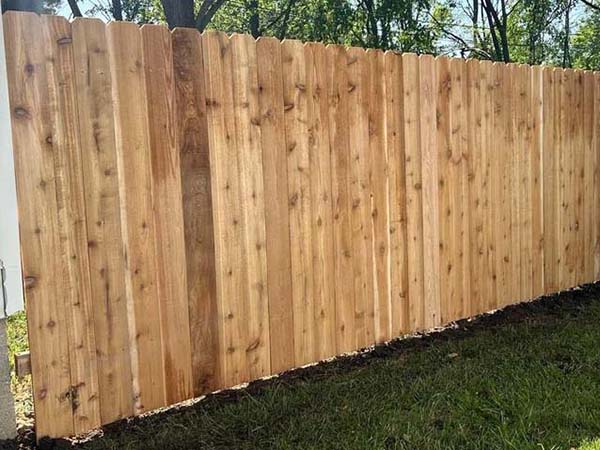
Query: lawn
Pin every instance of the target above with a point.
(524, 378)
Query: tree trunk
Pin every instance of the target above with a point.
(117, 10)
(254, 18)
(179, 13)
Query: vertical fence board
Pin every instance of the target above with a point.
(446, 185)
(397, 197)
(296, 131)
(227, 209)
(537, 191)
(322, 220)
(72, 223)
(358, 71)
(502, 174)
(277, 223)
(587, 182)
(32, 122)
(135, 181)
(168, 213)
(379, 207)
(550, 168)
(596, 151)
(429, 180)
(192, 140)
(249, 154)
(414, 203)
(341, 198)
(478, 178)
(102, 200)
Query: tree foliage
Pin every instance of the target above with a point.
(559, 32)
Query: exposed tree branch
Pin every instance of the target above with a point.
(591, 5)
(75, 8)
(208, 9)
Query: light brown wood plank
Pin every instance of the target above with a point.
(397, 197)
(488, 150)
(537, 200)
(380, 198)
(300, 208)
(502, 182)
(249, 154)
(480, 229)
(578, 178)
(135, 183)
(102, 204)
(322, 219)
(32, 127)
(358, 87)
(341, 198)
(168, 213)
(192, 140)
(274, 155)
(447, 184)
(523, 138)
(550, 179)
(72, 223)
(587, 183)
(596, 150)
(430, 177)
(227, 209)
(414, 202)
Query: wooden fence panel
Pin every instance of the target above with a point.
(103, 209)
(199, 211)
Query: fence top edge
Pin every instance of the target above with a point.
(82, 21)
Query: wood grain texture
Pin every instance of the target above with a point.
(270, 98)
(227, 209)
(394, 114)
(429, 176)
(249, 154)
(414, 202)
(32, 123)
(320, 192)
(300, 207)
(199, 211)
(102, 205)
(135, 185)
(341, 198)
(168, 213)
(72, 229)
(197, 203)
(358, 122)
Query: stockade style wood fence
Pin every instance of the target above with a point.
(197, 211)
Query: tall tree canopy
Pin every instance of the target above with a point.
(558, 32)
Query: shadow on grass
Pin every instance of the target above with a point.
(526, 377)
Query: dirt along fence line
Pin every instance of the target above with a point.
(198, 211)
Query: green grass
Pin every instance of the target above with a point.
(527, 379)
(17, 343)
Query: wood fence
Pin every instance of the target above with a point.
(197, 211)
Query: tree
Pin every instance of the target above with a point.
(39, 6)
(177, 13)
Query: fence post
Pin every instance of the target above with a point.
(11, 291)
